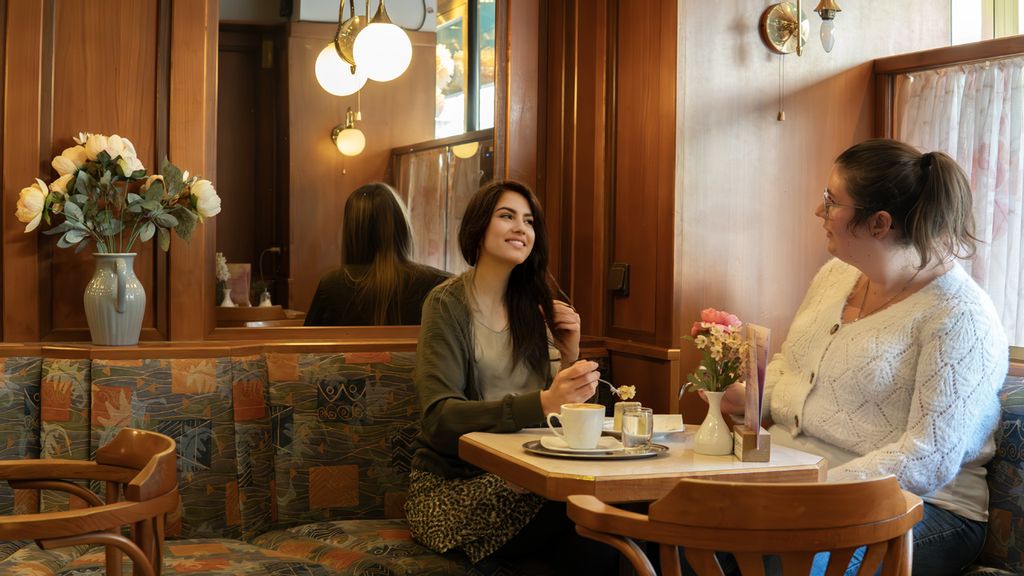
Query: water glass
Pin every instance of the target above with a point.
(637, 428)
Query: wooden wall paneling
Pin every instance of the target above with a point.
(591, 165)
(23, 51)
(748, 183)
(644, 152)
(3, 69)
(192, 145)
(521, 83)
(555, 141)
(395, 114)
(108, 86)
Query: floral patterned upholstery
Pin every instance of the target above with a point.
(343, 425)
(1004, 546)
(19, 424)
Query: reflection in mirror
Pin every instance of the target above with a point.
(284, 177)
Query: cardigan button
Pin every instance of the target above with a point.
(796, 421)
(834, 329)
(811, 380)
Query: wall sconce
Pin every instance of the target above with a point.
(335, 75)
(784, 27)
(382, 49)
(349, 139)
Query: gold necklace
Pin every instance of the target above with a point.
(864, 299)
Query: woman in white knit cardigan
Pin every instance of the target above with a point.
(895, 358)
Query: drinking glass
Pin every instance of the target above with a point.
(637, 428)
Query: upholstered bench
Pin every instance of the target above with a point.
(292, 459)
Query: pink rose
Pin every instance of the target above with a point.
(720, 317)
(696, 329)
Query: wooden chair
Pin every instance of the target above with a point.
(793, 521)
(140, 464)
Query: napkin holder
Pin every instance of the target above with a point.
(745, 444)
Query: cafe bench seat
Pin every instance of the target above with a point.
(293, 458)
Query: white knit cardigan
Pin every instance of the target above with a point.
(911, 390)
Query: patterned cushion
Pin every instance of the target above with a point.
(343, 426)
(19, 424)
(31, 561)
(65, 399)
(255, 451)
(190, 400)
(1004, 546)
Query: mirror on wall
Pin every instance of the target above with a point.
(279, 167)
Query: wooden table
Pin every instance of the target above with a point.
(627, 480)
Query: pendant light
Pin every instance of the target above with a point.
(335, 75)
(382, 50)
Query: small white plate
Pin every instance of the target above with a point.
(604, 444)
(664, 424)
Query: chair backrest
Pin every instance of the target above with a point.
(139, 463)
(752, 520)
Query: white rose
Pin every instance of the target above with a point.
(82, 138)
(31, 201)
(69, 161)
(95, 144)
(61, 184)
(115, 146)
(207, 201)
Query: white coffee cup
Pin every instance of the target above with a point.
(581, 424)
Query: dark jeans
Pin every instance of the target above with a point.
(944, 545)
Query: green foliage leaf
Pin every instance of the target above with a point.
(151, 205)
(137, 175)
(172, 177)
(155, 192)
(147, 231)
(132, 198)
(103, 157)
(187, 221)
(166, 220)
(164, 239)
(110, 227)
(72, 211)
(81, 245)
(70, 238)
(58, 229)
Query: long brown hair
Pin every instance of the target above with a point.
(528, 297)
(927, 195)
(376, 234)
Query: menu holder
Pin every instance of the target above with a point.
(748, 445)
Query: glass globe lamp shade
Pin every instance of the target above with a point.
(350, 141)
(383, 51)
(466, 150)
(335, 75)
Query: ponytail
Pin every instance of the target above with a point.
(927, 195)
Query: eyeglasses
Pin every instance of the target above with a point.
(830, 202)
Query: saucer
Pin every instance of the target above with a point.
(604, 444)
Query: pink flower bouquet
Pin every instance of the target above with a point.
(723, 348)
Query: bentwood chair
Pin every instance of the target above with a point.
(140, 465)
(751, 521)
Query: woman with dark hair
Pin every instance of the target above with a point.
(894, 360)
(378, 283)
(489, 343)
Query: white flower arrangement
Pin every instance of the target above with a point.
(95, 192)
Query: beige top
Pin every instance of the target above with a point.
(498, 373)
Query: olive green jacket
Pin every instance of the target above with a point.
(450, 400)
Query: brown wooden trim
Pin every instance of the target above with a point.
(475, 136)
(3, 70)
(950, 55)
(318, 333)
(501, 88)
(640, 349)
(21, 144)
(191, 145)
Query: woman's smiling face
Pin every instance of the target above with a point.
(510, 234)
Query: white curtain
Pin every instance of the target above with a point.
(975, 113)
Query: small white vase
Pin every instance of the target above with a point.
(713, 438)
(227, 302)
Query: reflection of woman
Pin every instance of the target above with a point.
(483, 363)
(378, 282)
(894, 360)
